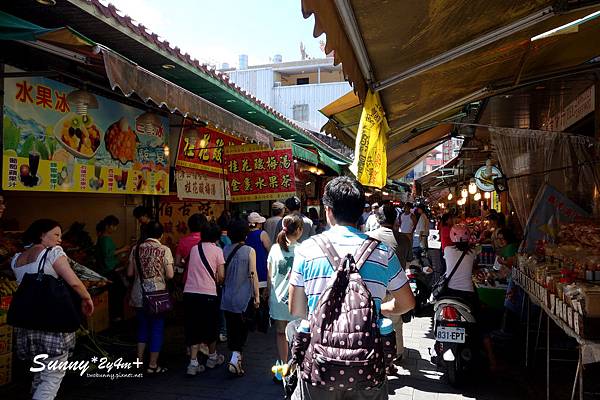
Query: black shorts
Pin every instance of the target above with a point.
(201, 318)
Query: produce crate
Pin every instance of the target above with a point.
(6, 339)
(492, 297)
(99, 321)
(5, 368)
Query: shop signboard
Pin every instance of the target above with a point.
(174, 214)
(49, 146)
(191, 185)
(256, 173)
(201, 148)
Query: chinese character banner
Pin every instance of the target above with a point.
(48, 146)
(174, 215)
(202, 149)
(192, 185)
(256, 174)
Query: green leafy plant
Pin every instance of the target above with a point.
(12, 135)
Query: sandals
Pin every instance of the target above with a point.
(236, 369)
(215, 362)
(158, 370)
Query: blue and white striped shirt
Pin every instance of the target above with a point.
(381, 272)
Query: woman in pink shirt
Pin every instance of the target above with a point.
(205, 271)
(195, 224)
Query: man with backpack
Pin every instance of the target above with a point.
(338, 282)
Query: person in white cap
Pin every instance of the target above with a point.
(373, 220)
(277, 210)
(260, 242)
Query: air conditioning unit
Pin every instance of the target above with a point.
(277, 84)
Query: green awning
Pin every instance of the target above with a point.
(14, 28)
(330, 162)
(304, 154)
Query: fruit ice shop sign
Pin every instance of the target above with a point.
(48, 146)
(255, 173)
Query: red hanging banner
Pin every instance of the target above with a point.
(256, 174)
(201, 148)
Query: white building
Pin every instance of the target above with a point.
(297, 89)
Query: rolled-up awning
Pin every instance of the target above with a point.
(130, 78)
(426, 57)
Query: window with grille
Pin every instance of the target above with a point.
(301, 112)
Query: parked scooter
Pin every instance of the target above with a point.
(420, 280)
(456, 340)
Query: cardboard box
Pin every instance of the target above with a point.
(6, 339)
(5, 368)
(100, 320)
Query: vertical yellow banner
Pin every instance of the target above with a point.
(370, 159)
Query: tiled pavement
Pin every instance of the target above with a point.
(417, 378)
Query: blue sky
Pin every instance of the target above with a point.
(217, 31)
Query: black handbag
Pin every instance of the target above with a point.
(157, 302)
(45, 303)
(442, 284)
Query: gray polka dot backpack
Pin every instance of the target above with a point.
(345, 351)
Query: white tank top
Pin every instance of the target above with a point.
(406, 223)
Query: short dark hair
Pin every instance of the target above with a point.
(153, 230)
(508, 235)
(408, 204)
(238, 230)
(293, 203)
(33, 234)
(111, 220)
(196, 222)
(140, 211)
(346, 197)
(210, 232)
(387, 214)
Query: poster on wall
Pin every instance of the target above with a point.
(256, 173)
(201, 148)
(191, 185)
(51, 143)
(174, 214)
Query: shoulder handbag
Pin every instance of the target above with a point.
(45, 303)
(156, 302)
(442, 284)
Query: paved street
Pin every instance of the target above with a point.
(417, 378)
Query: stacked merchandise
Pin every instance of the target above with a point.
(565, 277)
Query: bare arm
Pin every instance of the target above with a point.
(402, 302)
(63, 269)
(298, 302)
(220, 274)
(131, 266)
(169, 271)
(414, 222)
(266, 241)
(254, 275)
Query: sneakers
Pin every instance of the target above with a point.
(194, 368)
(222, 337)
(215, 360)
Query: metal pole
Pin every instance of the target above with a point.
(527, 332)
(548, 357)
(577, 372)
(580, 366)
